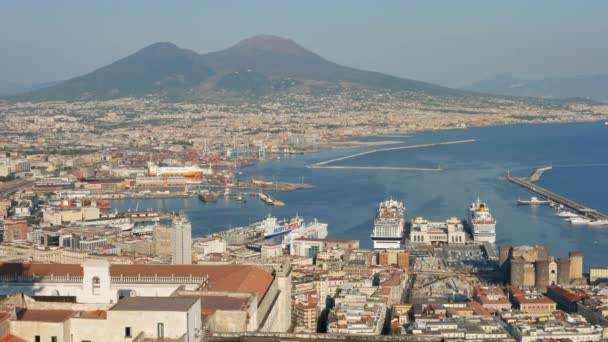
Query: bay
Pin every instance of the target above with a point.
(348, 199)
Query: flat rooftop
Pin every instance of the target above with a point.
(181, 304)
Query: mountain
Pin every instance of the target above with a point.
(259, 65)
(160, 68)
(594, 87)
(13, 88)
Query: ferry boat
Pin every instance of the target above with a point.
(310, 230)
(481, 222)
(272, 227)
(533, 201)
(389, 225)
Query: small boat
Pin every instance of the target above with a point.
(239, 198)
(208, 197)
(533, 201)
(598, 223)
(580, 220)
(566, 214)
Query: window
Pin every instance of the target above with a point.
(160, 330)
(37, 338)
(96, 285)
(53, 338)
(127, 331)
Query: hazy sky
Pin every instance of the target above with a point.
(451, 42)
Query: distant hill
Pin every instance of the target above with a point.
(594, 87)
(12, 88)
(161, 68)
(259, 65)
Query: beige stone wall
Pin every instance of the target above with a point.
(162, 240)
(29, 330)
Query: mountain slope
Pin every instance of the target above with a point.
(160, 68)
(280, 58)
(260, 65)
(593, 86)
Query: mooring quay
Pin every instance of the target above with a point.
(527, 183)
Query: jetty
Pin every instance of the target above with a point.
(538, 173)
(527, 183)
(326, 164)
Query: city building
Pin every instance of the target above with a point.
(551, 327)
(131, 319)
(426, 232)
(181, 241)
(15, 230)
(492, 298)
(528, 300)
(248, 297)
(308, 247)
(162, 236)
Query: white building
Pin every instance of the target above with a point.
(210, 245)
(247, 297)
(426, 232)
(181, 241)
(131, 319)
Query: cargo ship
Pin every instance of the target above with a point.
(273, 227)
(389, 225)
(481, 222)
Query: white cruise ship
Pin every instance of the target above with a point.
(389, 224)
(483, 225)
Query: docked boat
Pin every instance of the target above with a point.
(389, 225)
(566, 214)
(579, 220)
(239, 198)
(272, 227)
(265, 198)
(481, 222)
(208, 197)
(533, 201)
(598, 223)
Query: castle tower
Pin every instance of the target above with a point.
(552, 272)
(529, 274)
(576, 264)
(504, 264)
(517, 271)
(563, 271)
(542, 276)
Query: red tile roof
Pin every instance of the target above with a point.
(567, 295)
(49, 316)
(11, 338)
(230, 278)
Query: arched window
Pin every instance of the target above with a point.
(96, 285)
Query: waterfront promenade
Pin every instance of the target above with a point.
(326, 164)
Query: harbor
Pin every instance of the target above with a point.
(527, 183)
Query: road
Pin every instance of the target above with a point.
(14, 185)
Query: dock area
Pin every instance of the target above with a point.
(527, 183)
(325, 164)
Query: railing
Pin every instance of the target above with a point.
(114, 279)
